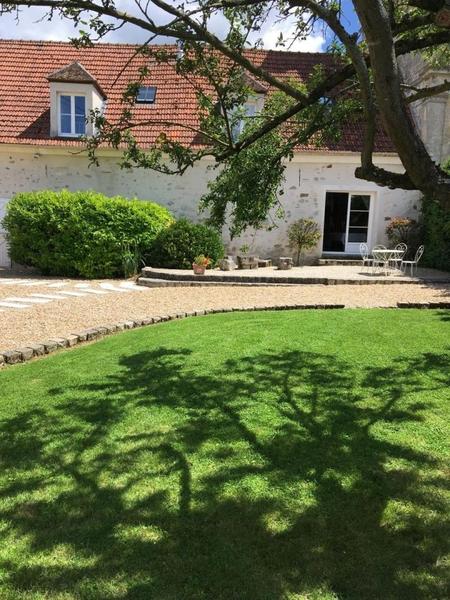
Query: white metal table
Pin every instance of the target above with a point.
(383, 256)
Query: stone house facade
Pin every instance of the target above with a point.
(39, 126)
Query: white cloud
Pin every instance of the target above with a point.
(271, 33)
(32, 25)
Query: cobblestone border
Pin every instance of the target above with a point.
(423, 304)
(23, 354)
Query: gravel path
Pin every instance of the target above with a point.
(72, 313)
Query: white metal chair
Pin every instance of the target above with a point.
(364, 251)
(396, 261)
(412, 264)
(379, 262)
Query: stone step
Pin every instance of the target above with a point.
(339, 262)
(153, 282)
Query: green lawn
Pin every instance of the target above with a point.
(279, 455)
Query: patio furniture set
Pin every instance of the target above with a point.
(389, 260)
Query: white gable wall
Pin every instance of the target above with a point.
(308, 177)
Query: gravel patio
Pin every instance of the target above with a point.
(57, 307)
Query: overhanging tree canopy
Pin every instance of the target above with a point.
(365, 82)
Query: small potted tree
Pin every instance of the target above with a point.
(303, 235)
(201, 262)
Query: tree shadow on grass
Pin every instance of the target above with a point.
(278, 475)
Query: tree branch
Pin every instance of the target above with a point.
(360, 66)
(427, 92)
(385, 178)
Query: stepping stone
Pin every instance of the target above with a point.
(33, 283)
(27, 299)
(132, 286)
(113, 288)
(91, 291)
(67, 293)
(49, 296)
(13, 305)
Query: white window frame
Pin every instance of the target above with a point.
(372, 217)
(72, 114)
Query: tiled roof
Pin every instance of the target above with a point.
(25, 98)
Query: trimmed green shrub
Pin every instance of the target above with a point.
(178, 245)
(82, 233)
(436, 235)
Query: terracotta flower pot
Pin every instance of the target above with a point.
(198, 269)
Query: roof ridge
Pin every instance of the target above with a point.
(69, 43)
(130, 45)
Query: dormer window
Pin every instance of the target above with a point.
(146, 95)
(249, 110)
(74, 95)
(252, 107)
(72, 115)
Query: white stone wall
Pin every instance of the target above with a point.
(432, 115)
(308, 178)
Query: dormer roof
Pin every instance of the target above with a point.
(75, 73)
(255, 85)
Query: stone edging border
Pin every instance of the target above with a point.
(153, 277)
(23, 354)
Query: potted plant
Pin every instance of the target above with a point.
(201, 262)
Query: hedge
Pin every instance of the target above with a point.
(178, 245)
(436, 235)
(82, 233)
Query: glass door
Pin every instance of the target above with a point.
(335, 223)
(357, 222)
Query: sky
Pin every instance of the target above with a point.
(32, 25)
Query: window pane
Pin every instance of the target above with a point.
(80, 125)
(360, 219)
(80, 105)
(65, 105)
(357, 234)
(65, 124)
(360, 202)
(146, 94)
(250, 110)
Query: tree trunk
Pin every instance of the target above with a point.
(397, 120)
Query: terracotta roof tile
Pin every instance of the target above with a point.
(25, 96)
